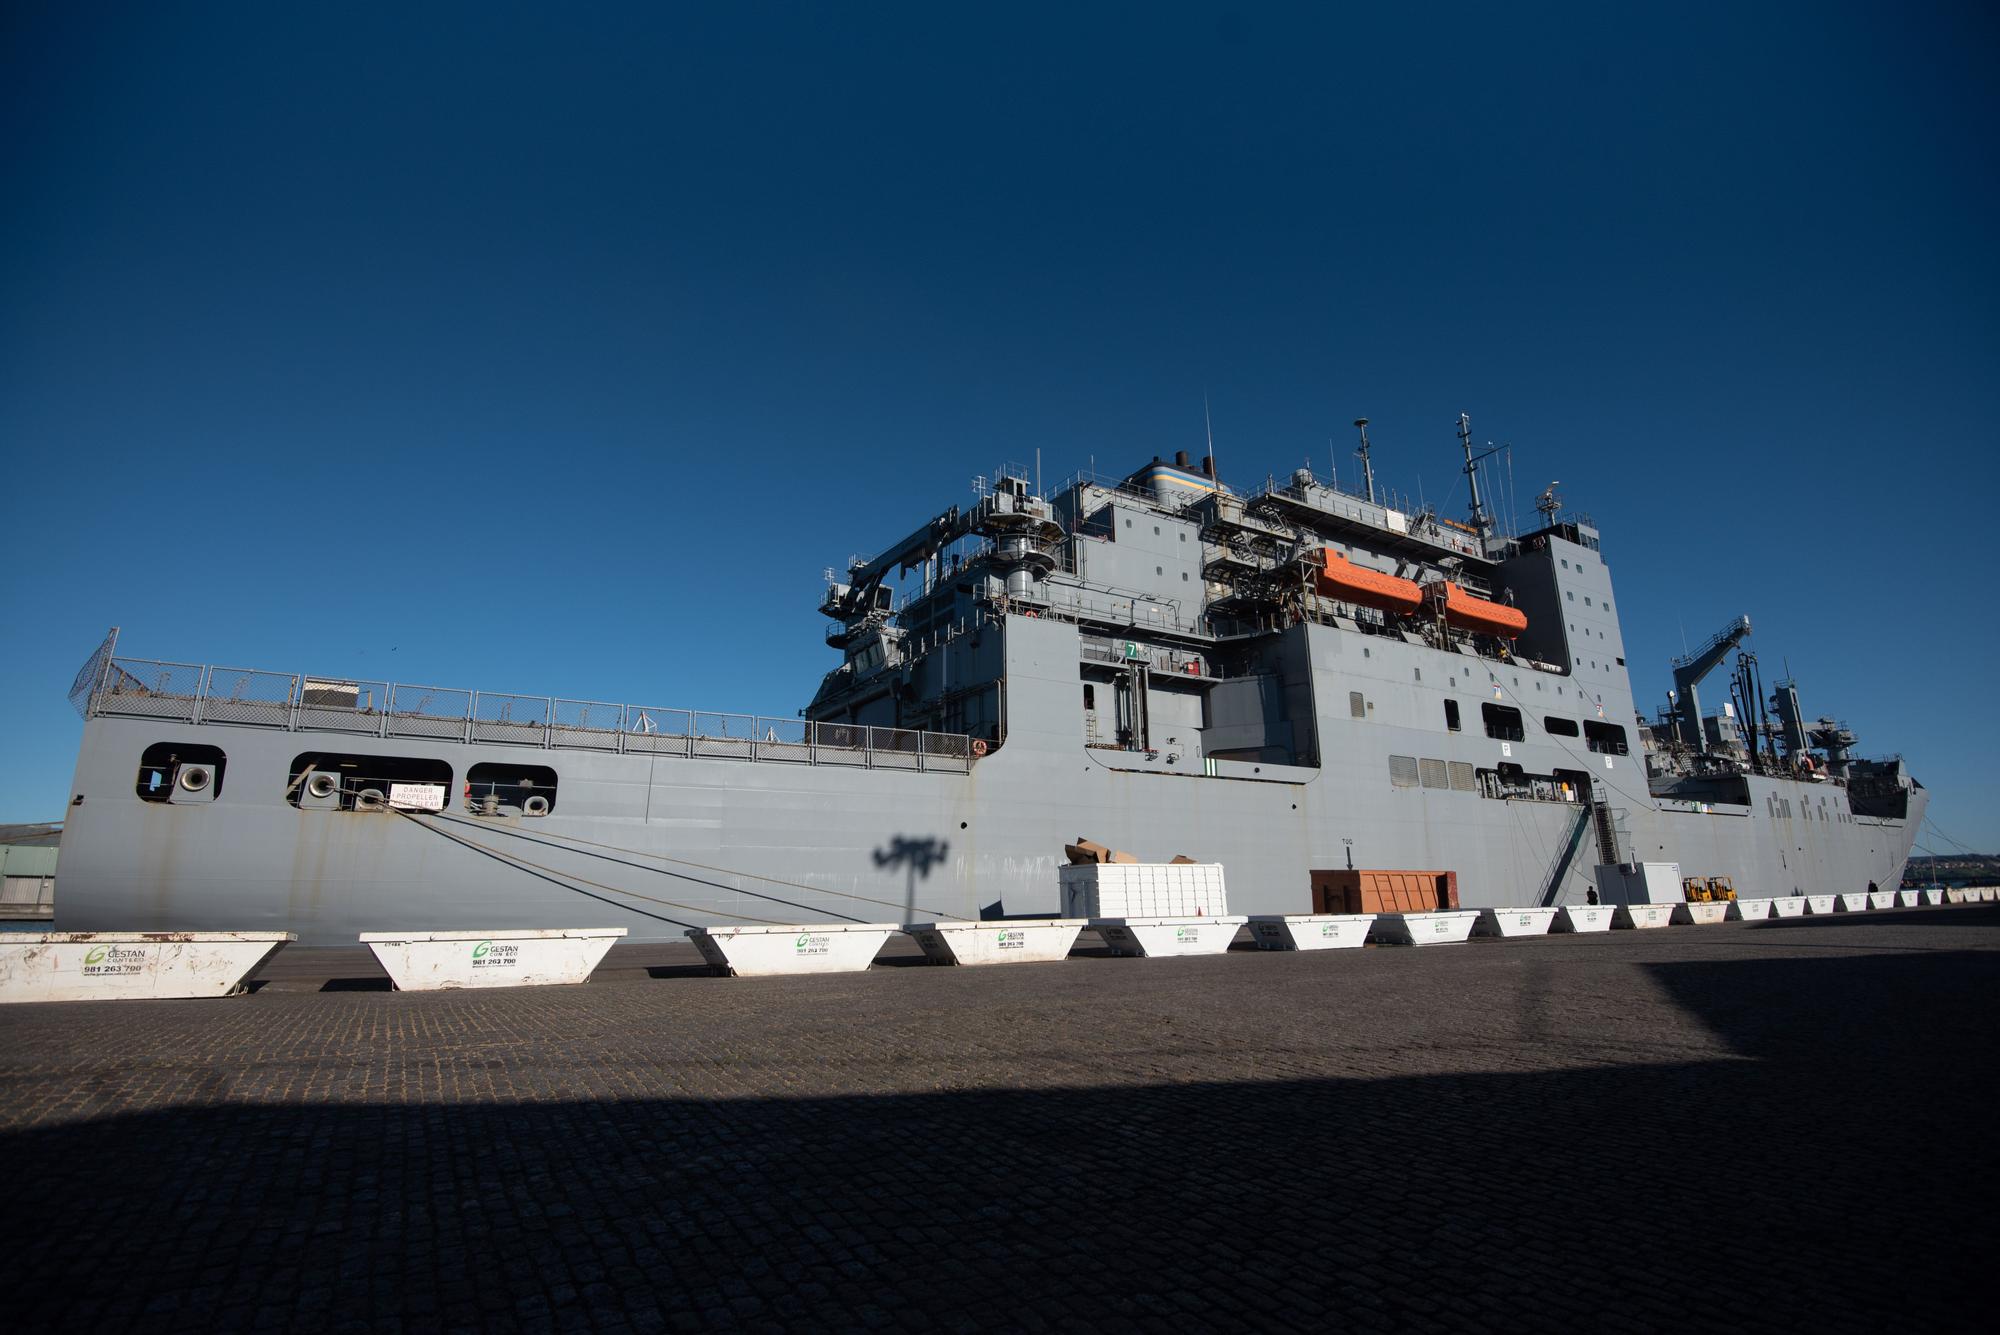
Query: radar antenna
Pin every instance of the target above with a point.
(1548, 503)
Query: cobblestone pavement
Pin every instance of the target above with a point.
(1786, 1125)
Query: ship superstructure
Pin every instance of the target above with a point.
(1293, 677)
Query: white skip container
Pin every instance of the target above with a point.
(1909, 899)
(1158, 937)
(1701, 912)
(760, 951)
(1643, 915)
(1856, 903)
(1749, 910)
(102, 966)
(1310, 931)
(1583, 918)
(435, 961)
(1819, 904)
(1011, 941)
(1789, 906)
(1447, 927)
(1933, 896)
(1881, 899)
(1514, 922)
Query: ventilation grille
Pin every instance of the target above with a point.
(1464, 778)
(1403, 771)
(1357, 706)
(1434, 773)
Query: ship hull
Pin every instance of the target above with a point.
(654, 843)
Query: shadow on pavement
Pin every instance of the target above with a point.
(1838, 1176)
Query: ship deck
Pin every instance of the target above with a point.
(1751, 1125)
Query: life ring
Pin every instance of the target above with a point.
(979, 746)
(1032, 614)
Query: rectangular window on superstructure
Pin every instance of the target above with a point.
(1561, 727)
(1451, 715)
(1608, 738)
(1503, 722)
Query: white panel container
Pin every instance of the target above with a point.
(759, 951)
(1159, 937)
(1640, 883)
(1857, 903)
(1701, 912)
(103, 966)
(1932, 896)
(434, 961)
(1643, 915)
(1144, 890)
(1983, 894)
(1909, 899)
(1819, 903)
(1789, 906)
(1310, 931)
(1514, 922)
(1015, 941)
(1882, 899)
(1958, 894)
(1749, 910)
(1582, 918)
(1448, 927)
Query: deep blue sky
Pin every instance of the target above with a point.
(559, 350)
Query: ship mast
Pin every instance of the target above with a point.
(1482, 523)
(1367, 468)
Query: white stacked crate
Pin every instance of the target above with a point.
(1144, 890)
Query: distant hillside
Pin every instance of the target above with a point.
(1959, 869)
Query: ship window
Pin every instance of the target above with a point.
(1156, 530)
(1503, 722)
(1571, 593)
(192, 766)
(1357, 706)
(1560, 727)
(1089, 696)
(510, 790)
(1159, 570)
(1606, 737)
(1419, 672)
(1565, 562)
(1586, 600)
(1451, 715)
(340, 781)
(1183, 576)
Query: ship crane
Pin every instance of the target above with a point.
(1688, 673)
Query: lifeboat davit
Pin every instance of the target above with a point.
(1468, 612)
(1338, 577)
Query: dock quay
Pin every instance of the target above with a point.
(1774, 1124)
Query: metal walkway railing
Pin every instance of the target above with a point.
(242, 697)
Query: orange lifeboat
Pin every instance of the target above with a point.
(1467, 612)
(1340, 578)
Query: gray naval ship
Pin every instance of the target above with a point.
(1296, 677)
